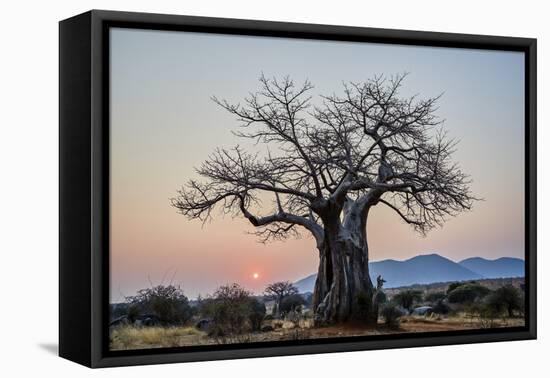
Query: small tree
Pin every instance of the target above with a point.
(506, 298)
(407, 298)
(168, 303)
(230, 309)
(468, 293)
(485, 314)
(454, 285)
(277, 291)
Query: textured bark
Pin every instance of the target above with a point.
(343, 289)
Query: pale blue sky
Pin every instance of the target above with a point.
(163, 123)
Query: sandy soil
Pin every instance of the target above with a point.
(129, 337)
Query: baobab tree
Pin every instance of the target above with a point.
(325, 167)
(279, 291)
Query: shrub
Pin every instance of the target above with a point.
(435, 297)
(407, 298)
(118, 309)
(391, 315)
(133, 312)
(468, 293)
(233, 312)
(441, 307)
(292, 302)
(256, 315)
(168, 303)
(505, 299)
(380, 297)
(486, 315)
(454, 285)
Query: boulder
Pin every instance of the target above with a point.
(422, 311)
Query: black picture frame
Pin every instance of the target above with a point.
(84, 186)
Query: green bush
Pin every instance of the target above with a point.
(293, 302)
(454, 285)
(391, 315)
(168, 303)
(468, 293)
(118, 309)
(441, 307)
(233, 311)
(380, 297)
(256, 315)
(435, 297)
(485, 314)
(407, 298)
(506, 299)
(133, 312)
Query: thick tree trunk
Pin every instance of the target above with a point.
(343, 289)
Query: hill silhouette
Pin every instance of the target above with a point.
(502, 267)
(430, 268)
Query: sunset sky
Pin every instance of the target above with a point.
(163, 124)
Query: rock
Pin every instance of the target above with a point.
(123, 320)
(149, 321)
(267, 328)
(422, 311)
(402, 311)
(204, 324)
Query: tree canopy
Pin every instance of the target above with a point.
(368, 145)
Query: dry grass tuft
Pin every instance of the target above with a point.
(131, 337)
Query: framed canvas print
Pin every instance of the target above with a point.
(234, 188)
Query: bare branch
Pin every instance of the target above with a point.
(369, 145)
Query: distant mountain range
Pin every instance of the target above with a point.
(425, 269)
(499, 268)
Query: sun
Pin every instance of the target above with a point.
(255, 276)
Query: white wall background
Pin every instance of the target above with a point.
(29, 186)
